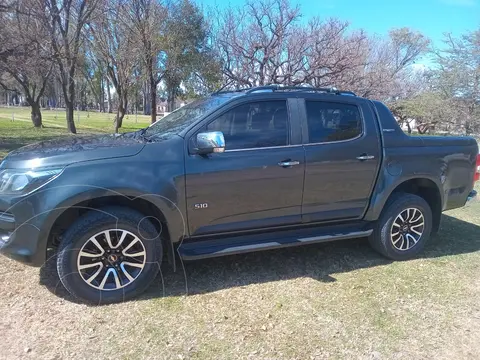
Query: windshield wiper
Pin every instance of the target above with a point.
(143, 136)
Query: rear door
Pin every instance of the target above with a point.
(342, 153)
(258, 181)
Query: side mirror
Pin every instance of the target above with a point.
(210, 142)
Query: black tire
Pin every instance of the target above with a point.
(92, 223)
(381, 239)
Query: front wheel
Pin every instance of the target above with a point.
(403, 228)
(109, 255)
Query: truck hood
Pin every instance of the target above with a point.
(73, 149)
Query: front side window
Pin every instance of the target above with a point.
(329, 122)
(254, 125)
(182, 118)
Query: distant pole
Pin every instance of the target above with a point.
(13, 116)
(78, 116)
(136, 114)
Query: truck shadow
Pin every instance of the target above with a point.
(318, 261)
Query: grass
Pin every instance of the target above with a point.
(338, 301)
(16, 128)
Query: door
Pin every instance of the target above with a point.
(342, 158)
(257, 182)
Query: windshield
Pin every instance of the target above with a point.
(180, 119)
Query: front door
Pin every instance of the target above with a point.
(342, 158)
(257, 182)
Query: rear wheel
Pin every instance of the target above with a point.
(403, 228)
(109, 255)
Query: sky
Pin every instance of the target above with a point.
(431, 17)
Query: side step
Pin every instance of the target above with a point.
(193, 249)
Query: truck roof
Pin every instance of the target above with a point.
(277, 88)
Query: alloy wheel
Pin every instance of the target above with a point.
(111, 259)
(407, 229)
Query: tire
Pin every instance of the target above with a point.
(402, 246)
(139, 261)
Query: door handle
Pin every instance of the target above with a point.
(364, 157)
(288, 163)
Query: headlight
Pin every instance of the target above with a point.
(15, 181)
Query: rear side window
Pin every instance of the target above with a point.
(329, 122)
(254, 125)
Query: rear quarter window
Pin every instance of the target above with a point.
(330, 122)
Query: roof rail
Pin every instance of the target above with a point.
(229, 91)
(330, 90)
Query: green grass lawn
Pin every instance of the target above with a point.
(16, 128)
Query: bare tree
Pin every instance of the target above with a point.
(255, 42)
(66, 21)
(264, 43)
(387, 63)
(115, 44)
(333, 54)
(147, 19)
(29, 67)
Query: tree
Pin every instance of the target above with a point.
(66, 21)
(430, 110)
(114, 43)
(257, 43)
(148, 19)
(186, 47)
(386, 64)
(29, 66)
(458, 77)
(93, 71)
(334, 54)
(264, 43)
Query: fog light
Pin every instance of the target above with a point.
(4, 239)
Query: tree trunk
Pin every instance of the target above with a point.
(145, 97)
(171, 100)
(69, 96)
(36, 114)
(109, 97)
(122, 109)
(70, 117)
(153, 97)
(101, 96)
(409, 128)
(423, 128)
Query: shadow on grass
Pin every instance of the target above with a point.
(316, 261)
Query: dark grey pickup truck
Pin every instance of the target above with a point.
(240, 171)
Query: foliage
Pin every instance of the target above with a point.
(458, 77)
(189, 59)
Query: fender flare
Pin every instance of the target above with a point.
(173, 216)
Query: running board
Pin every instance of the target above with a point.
(198, 249)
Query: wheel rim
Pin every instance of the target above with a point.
(111, 259)
(407, 229)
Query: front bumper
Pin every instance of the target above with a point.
(20, 239)
(472, 195)
(22, 245)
